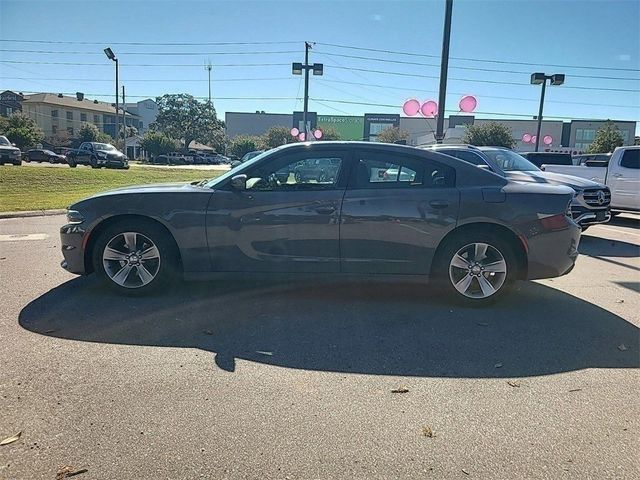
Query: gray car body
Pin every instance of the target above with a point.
(220, 230)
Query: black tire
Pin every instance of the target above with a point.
(167, 265)
(72, 164)
(444, 279)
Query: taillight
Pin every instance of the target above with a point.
(555, 222)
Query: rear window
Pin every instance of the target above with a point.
(631, 159)
(548, 158)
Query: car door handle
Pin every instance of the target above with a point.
(325, 210)
(439, 203)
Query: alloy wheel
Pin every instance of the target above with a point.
(131, 260)
(478, 270)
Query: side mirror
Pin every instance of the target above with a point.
(239, 182)
(484, 167)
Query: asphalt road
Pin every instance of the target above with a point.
(219, 380)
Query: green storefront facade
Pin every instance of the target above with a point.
(349, 127)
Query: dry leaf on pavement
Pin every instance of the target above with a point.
(208, 332)
(513, 383)
(465, 472)
(498, 365)
(622, 347)
(400, 390)
(428, 432)
(13, 438)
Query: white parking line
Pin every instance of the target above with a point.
(618, 230)
(18, 237)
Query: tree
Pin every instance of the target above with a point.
(330, 133)
(243, 144)
(218, 141)
(88, 132)
(276, 136)
(393, 135)
(492, 134)
(60, 139)
(22, 130)
(636, 141)
(130, 131)
(156, 143)
(183, 117)
(607, 138)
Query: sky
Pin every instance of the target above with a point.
(162, 47)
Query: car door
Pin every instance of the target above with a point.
(624, 180)
(282, 222)
(84, 153)
(396, 209)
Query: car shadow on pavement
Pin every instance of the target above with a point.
(365, 328)
(603, 247)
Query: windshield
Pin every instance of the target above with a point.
(509, 161)
(4, 141)
(234, 170)
(104, 146)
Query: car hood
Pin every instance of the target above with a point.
(8, 147)
(550, 178)
(111, 153)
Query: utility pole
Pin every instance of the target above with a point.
(208, 67)
(124, 123)
(444, 68)
(296, 69)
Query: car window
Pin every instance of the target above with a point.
(509, 161)
(296, 172)
(381, 170)
(631, 159)
(466, 155)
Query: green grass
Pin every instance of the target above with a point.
(42, 188)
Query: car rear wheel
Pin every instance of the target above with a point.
(135, 258)
(476, 268)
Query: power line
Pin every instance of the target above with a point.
(182, 44)
(348, 102)
(147, 65)
(57, 52)
(416, 75)
(146, 80)
(418, 90)
(519, 72)
(483, 60)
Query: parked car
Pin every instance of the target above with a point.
(246, 157)
(97, 155)
(171, 158)
(9, 153)
(472, 231)
(321, 170)
(621, 175)
(548, 158)
(44, 155)
(590, 204)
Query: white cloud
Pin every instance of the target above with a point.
(625, 57)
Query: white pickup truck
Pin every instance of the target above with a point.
(621, 175)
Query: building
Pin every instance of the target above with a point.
(574, 135)
(58, 115)
(146, 111)
(10, 102)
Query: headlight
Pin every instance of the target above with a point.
(16, 153)
(74, 217)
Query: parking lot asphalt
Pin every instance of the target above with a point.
(248, 380)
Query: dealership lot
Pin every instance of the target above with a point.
(220, 380)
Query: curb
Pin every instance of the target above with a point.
(32, 213)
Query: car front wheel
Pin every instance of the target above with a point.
(476, 269)
(134, 257)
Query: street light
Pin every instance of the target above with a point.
(540, 78)
(111, 56)
(297, 69)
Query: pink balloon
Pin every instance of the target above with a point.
(533, 139)
(468, 103)
(547, 139)
(317, 133)
(411, 107)
(429, 108)
(295, 132)
(301, 136)
(526, 138)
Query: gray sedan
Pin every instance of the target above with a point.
(389, 211)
